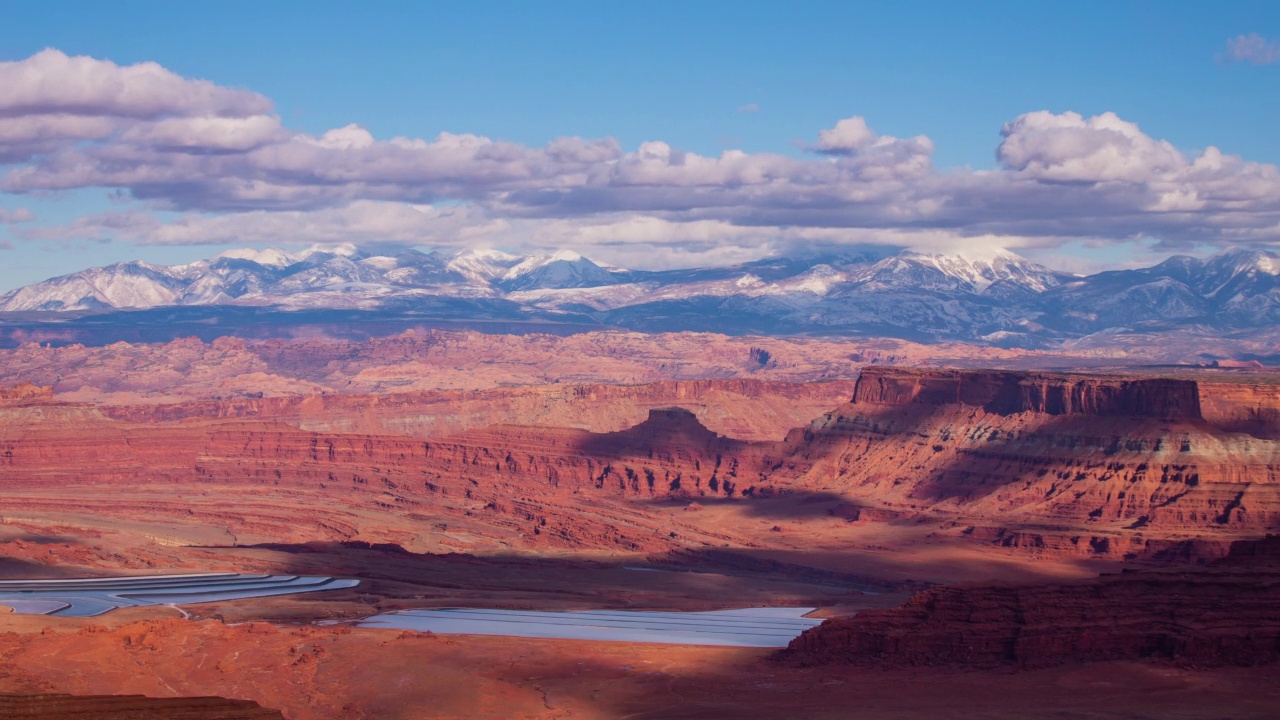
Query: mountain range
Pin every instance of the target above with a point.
(1003, 300)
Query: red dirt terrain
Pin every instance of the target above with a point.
(426, 360)
(792, 474)
(312, 673)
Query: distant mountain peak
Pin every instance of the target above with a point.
(996, 297)
(271, 257)
(1244, 259)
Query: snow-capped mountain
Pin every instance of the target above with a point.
(1002, 298)
(483, 266)
(559, 271)
(122, 285)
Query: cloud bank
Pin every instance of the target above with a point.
(221, 166)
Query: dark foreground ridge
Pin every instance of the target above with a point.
(130, 707)
(1214, 615)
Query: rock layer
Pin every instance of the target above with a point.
(1009, 393)
(1114, 483)
(1222, 614)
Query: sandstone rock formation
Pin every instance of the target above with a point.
(1090, 464)
(24, 392)
(1049, 464)
(1221, 614)
(743, 408)
(1010, 393)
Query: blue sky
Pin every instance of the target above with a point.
(704, 78)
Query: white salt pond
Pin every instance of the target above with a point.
(86, 597)
(747, 627)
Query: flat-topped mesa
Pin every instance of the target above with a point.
(1010, 392)
(672, 415)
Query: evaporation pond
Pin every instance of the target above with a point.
(748, 627)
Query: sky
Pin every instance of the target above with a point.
(654, 134)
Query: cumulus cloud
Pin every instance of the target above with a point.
(52, 101)
(847, 136)
(52, 83)
(1252, 48)
(19, 215)
(233, 172)
(1070, 148)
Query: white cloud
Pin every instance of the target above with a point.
(19, 215)
(1070, 148)
(847, 136)
(222, 158)
(51, 83)
(1252, 48)
(52, 102)
(207, 133)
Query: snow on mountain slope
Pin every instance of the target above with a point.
(483, 266)
(957, 273)
(1000, 298)
(271, 257)
(122, 285)
(564, 269)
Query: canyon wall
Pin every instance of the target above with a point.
(743, 408)
(939, 448)
(1008, 393)
(1093, 465)
(1221, 614)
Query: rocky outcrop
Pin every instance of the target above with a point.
(1009, 393)
(1220, 614)
(1049, 463)
(24, 392)
(130, 707)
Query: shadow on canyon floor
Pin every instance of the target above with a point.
(785, 504)
(624, 682)
(689, 579)
(700, 579)
(14, 568)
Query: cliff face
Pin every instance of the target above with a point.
(745, 409)
(1009, 393)
(1242, 406)
(925, 446)
(1053, 463)
(1223, 614)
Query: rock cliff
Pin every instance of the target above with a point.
(1009, 393)
(1092, 465)
(943, 448)
(1220, 614)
